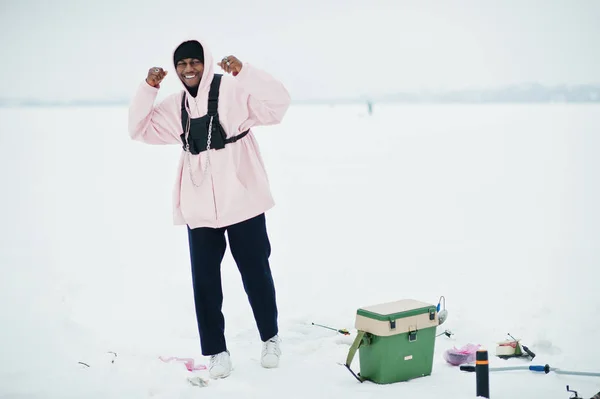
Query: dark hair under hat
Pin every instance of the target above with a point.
(189, 49)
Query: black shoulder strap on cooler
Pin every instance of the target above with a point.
(353, 348)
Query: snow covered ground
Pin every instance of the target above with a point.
(495, 207)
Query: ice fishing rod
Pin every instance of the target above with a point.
(539, 369)
(342, 331)
(526, 349)
(447, 333)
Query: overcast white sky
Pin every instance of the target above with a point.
(68, 49)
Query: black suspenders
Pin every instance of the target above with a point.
(213, 102)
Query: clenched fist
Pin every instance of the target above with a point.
(155, 76)
(231, 64)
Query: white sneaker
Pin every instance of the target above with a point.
(220, 365)
(271, 353)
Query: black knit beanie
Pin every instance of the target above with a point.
(189, 49)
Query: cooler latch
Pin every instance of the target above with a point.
(392, 324)
(412, 334)
(431, 314)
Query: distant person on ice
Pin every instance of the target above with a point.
(221, 183)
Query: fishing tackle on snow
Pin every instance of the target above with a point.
(538, 368)
(576, 395)
(112, 360)
(447, 333)
(342, 331)
(443, 313)
(513, 348)
(442, 316)
(482, 371)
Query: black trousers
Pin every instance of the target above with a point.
(250, 248)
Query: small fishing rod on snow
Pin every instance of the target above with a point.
(342, 331)
(447, 333)
(526, 349)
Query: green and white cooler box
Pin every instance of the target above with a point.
(395, 341)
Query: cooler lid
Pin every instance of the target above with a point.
(396, 310)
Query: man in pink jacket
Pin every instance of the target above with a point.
(221, 184)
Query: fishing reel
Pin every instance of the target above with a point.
(443, 314)
(575, 395)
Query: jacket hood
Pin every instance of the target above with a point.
(209, 68)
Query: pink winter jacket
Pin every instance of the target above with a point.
(236, 186)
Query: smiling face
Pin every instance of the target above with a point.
(190, 71)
